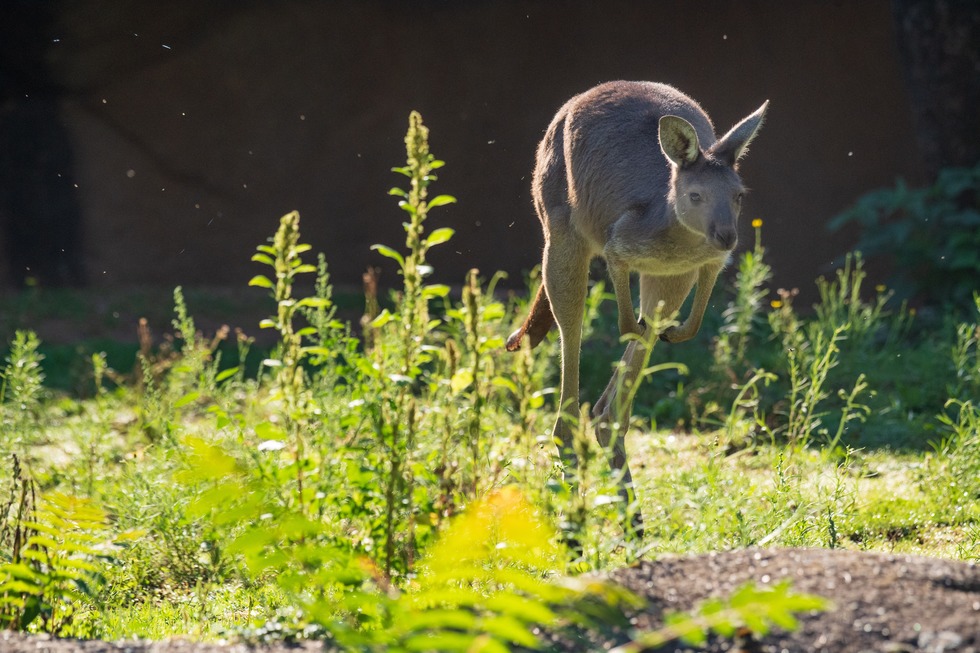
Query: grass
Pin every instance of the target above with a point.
(389, 483)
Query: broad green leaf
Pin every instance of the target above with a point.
(501, 382)
(511, 629)
(261, 281)
(315, 351)
(269, 431)
(263, 258)
(518, 606)
(435, 618)
(461, 380)
(435, 290)
(21, 571)
(384, 250)
(496, 342)
(494, 311)
(439, 236)
(43, 542)
(383, 318)
(441, 200)
(189, 398)
(443, 641)
(314, 302)
(225, 374)
(18, 587)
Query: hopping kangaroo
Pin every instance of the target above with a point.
(631, 172)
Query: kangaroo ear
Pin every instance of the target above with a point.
(679, 141)
(734, 144)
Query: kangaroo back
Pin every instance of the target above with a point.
(612, 149)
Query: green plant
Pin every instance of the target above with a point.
(21, 392)
(841, 304)
(398, 368)
(754, 607)
(54, 564)
(959, 450)
(483, 584)
(930, 236)
(473, 375)
(743, 312)
(284, 256)
(966, 357)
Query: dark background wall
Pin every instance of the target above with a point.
(175, 134)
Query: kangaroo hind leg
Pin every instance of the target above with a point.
(565, 272)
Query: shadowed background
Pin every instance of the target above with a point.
(155, 144)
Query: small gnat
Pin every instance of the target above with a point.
(130, 173)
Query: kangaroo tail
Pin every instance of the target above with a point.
(539, 321)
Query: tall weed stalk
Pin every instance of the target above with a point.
(399, 365)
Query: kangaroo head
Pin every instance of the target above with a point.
(705, 189)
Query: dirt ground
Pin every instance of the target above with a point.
(884, 603)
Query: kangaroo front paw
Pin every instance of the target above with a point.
(627, 326)
(672, 334)
(676, 334)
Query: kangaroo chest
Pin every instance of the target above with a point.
(665, 251)
(664, 258)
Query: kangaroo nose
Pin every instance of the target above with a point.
(726, 238)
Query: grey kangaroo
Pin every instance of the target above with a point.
(631, 172)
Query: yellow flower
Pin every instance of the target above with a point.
(757, 223)
(776, 303)
(880, 287)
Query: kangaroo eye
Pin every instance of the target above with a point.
(695, 197)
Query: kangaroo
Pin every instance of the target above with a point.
(631, 172)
